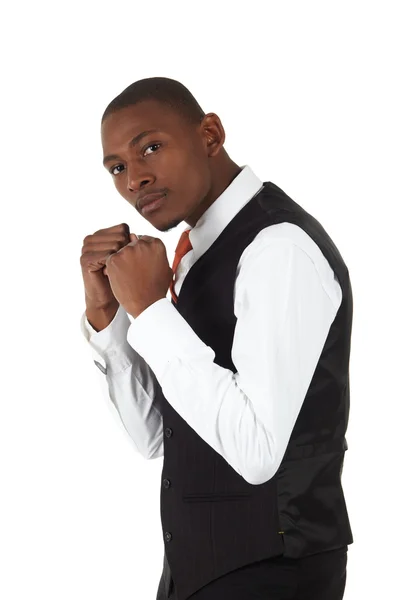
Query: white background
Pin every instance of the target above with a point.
(308, 96)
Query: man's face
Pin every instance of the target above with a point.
(172, 160)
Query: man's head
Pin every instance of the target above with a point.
(184, 158)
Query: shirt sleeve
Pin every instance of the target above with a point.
(128, 384)
(283, 318)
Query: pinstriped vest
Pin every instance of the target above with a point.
(213, 520)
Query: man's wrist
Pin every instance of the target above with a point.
(136, 309)
(100, 317)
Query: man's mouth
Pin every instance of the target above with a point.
(151, 202)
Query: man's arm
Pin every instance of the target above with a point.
(128, 384)
(283, 318)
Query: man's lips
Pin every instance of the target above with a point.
(148, 199)
(151, 202)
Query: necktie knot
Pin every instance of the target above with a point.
(182, 248)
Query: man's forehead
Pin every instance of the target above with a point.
(132, 120)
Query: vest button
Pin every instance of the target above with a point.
(168, 536)
(166, 483)
(168, 432)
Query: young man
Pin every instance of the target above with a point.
(241, 379)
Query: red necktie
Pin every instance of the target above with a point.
(182, 248)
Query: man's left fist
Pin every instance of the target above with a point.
(139, 273)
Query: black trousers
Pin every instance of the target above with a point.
(317, 577)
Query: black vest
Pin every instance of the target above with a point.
(213, 520)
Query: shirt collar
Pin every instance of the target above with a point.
(214, 220)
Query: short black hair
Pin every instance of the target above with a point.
(162, 89)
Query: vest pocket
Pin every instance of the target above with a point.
(216, 497)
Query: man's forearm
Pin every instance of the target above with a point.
(100, 318)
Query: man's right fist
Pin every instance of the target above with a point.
(95, 251)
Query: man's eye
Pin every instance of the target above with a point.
(151, 146)
(156, 146)
(113, 169)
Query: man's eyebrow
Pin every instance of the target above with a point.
(134, 141)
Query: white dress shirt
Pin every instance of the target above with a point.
(286, 297)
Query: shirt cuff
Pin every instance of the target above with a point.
(160, 334)
(110, 346)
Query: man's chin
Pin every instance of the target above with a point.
(164, 227)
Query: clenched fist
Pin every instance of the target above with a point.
(101, 303)
(122, 268)
(139, 273)
(95, 251)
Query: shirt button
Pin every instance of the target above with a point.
(168, 432)
(166, 483)
(168, 536)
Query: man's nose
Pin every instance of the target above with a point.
(138, 176)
